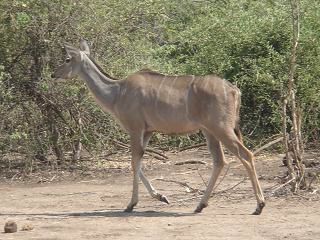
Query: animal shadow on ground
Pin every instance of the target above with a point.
(114, 213)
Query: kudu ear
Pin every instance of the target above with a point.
(71, 50)
(84, 47)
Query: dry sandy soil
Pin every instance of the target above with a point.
(91, 206)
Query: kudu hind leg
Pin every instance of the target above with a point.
(216, 151)
(246, 157)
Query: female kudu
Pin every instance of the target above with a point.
(147, 101)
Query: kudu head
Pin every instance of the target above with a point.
(71, 66)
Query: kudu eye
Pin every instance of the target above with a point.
(68, 60)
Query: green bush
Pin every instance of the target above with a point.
(246, 42)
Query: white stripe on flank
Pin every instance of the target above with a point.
(157, 99)
(225, 92)
(186, 98)
(171, 86)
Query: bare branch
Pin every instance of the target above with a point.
(150, 150)
(269, 144)
(230, 188)
(190, 162)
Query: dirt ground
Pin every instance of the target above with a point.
(90, 205)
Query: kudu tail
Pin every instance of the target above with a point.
(238, 132)
(237, 108)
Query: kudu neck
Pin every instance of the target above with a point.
(91, 68)
(103, 88)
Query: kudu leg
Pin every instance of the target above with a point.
(231, 141)
(138, 145)
(216, 151)
(152, 191)
(136, 154)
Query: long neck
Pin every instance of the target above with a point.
(103, 88)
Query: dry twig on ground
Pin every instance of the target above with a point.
(158, 155)
(190, 162)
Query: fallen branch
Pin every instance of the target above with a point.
(255, 152)
(281, 186)
(192, 146)
(158, 157)
(213, 194)
(120, 144)
(230, 188)
(190, 162)
(149, 150)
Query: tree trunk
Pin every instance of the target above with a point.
(293, 140)
(77, 146)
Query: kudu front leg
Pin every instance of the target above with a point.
(152, 191)
(138, 145)
(137, 153)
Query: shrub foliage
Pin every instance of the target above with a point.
(247, 42)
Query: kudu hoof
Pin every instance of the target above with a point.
(259, 208)
(164, 199)
(200, 207)
(129, 208)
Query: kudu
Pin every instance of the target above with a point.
(147, 102)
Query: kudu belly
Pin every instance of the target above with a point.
(170, 118)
